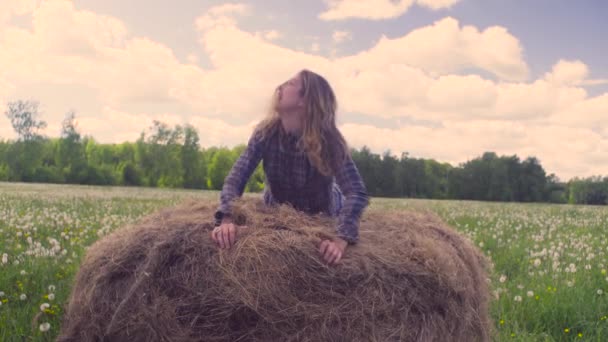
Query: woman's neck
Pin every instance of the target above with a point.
(292, 123)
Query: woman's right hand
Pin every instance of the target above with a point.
(224, 235)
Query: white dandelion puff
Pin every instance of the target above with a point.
(44, 327)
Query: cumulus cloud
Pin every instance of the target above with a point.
(437, 4)
(563, 150)
(377, 9)
(9, 8)
(405, 78)
(212, 132)
(446, 47)
(272, 35)
(568, 72)
(341, 36)
(222, 15)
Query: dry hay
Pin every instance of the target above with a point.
(411, 278)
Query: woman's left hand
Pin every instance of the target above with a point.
(332, 251)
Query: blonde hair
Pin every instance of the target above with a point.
(323, 143)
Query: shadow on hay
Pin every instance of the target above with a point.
(411, 278)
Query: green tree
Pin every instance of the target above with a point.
(194, 167)
(220, 165)
(24, 119)
(70, 155)
(24, 157)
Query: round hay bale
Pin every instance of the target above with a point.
(411, 278)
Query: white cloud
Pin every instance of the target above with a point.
(462, 93)
(271, 35)
(493, 50)
(568, 72)
(341, 36)
(315, 47)
(368, 9)
(215, 132)
(192, 58)
(437, 4)
(594, 82)
(377, 9)
(114, 125)
(222, 15)
(407, 77)
(9, 8)
(589, 113)
(563, 150)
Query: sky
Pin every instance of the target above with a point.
(441, 79)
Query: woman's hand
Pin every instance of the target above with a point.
(225, 234)
(332, 251)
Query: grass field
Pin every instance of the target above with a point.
(549, 279)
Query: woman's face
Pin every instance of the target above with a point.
(289, 95)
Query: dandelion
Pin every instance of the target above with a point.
(603, 271)
(4, 258)
(44, 306)
(517, 299)
(44, 327)
(520, 286)
(1, 293)
(51, 288)
(23, 296)
(566, 330)
(580, 335)
(536, 262)
(51, 296)
(570, 283)
(503, 278)
(600, 292)
(530, 294)
(23, 272)
(502, 322)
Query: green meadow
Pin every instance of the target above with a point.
(548, 277)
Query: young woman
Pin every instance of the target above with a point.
(307, 164)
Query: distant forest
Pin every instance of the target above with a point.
(166, 156)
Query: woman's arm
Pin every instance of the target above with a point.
(356, 200)
(235, 182)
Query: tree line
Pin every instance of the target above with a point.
(165, 156)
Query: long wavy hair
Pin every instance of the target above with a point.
(323, 143)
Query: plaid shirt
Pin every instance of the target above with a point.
(291, 178)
